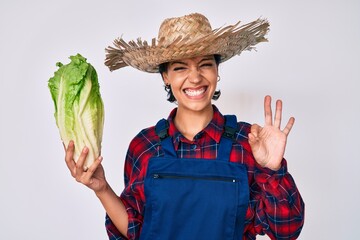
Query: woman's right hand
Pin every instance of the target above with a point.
(93, 177)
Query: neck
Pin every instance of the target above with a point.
(189, 123)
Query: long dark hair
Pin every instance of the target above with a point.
(170, 96)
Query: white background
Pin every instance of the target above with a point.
(311, 62)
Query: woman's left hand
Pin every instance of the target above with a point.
(268, 143)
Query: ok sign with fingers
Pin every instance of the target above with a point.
(268, 143)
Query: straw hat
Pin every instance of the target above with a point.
(184, 37)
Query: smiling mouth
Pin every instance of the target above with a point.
(195, 92)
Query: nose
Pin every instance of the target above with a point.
(194, 75)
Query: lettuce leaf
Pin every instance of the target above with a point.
(79, 109)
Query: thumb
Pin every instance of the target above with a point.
(255, 129)
(251, 138)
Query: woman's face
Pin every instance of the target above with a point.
(193, 82)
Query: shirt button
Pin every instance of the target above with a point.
(193, 146)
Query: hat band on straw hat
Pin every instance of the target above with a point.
(185, 37)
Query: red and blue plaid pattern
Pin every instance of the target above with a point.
(275, 206)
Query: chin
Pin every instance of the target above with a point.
(197, 106)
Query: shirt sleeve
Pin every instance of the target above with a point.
(112, 232)
(141, 149)
(132, 202)
(276, 207)
(278, 204)
(134, 226)
(126, 198)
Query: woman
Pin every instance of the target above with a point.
(198, 174)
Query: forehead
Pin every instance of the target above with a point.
(193, 59)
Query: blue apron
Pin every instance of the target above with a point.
(192, 198)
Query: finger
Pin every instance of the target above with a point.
(251, 138)
(289, 126)
(278, 113)
(255, 129)
(267, 110)
(80, 163)
(90, 172)
(69, 158)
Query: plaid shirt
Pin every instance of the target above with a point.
(275, 206)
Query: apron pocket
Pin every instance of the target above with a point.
(193, 207)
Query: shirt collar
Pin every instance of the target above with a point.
(214, 129)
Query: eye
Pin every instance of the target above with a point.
(209, 64)
(178, 68)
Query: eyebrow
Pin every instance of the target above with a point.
(177, 62)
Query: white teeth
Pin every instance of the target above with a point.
(194, 93)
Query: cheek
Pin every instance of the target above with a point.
(212, 78)
(175, 80)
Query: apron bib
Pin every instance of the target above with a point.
(189, 198)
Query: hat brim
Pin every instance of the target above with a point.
(226, 42)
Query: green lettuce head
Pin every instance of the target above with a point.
(79, 109)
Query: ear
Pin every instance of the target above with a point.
(165, 78)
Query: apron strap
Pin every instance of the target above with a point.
(228, 137)
(161, 130)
